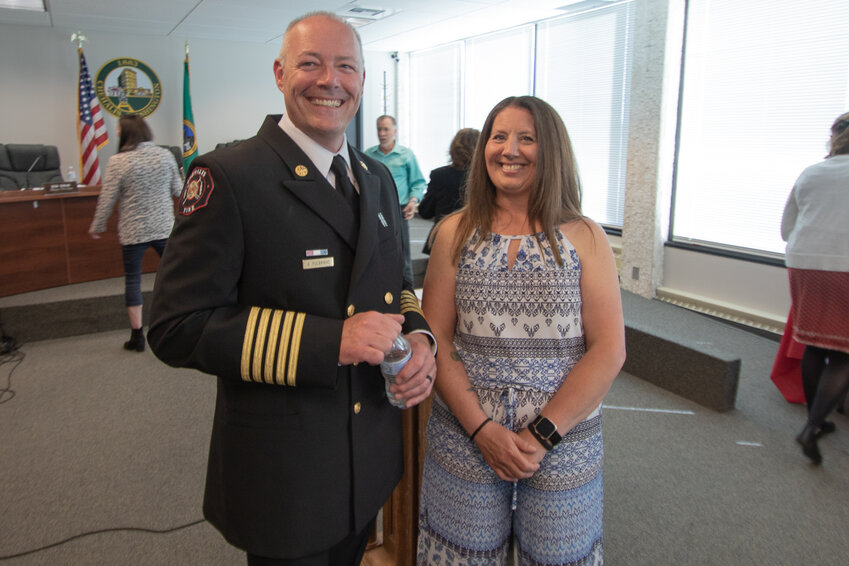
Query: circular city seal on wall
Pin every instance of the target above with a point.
(127, 86)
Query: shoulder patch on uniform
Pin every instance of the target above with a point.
(196, 191)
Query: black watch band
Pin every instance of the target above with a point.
(545, 432)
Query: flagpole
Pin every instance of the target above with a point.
(91, 129)
(78, 38)
(190, 148)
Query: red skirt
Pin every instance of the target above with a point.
(787, 368)
(820, 308)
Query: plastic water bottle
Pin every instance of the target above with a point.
(393, 361)
(72, 174)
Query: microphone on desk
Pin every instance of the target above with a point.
(34, 161)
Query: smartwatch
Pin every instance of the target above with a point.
(545, 432)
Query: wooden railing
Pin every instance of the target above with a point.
(394, 541)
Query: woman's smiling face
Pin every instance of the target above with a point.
(511, 150)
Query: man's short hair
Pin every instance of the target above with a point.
(379, 118)
(330, 15)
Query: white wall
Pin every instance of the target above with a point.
(232, 87)
(379, 96)
(744, 285)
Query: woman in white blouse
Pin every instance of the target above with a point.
(816, 230)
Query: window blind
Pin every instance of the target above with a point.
(580, 64)
(763, 82)
(434, 104)
(584, 70)
(497, 66)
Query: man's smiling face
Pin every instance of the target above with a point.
(321, 78)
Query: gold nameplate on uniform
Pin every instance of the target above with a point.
(318, 262)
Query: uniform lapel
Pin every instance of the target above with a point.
(369, 207)
(308, 185)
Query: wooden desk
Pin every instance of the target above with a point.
(44, 241)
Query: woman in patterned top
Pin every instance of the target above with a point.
(525, 289)
(143, 178)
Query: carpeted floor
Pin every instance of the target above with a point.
(104, 441)
(103, 455)
(105, 450)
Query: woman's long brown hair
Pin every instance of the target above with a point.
(555, 190)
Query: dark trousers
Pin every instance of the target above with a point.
(405, 240)
(133, 255)
(349, 552)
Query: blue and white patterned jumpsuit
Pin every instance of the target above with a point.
(518, 333)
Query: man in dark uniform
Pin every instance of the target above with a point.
(290, 291)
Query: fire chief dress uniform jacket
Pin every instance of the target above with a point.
(265, 262)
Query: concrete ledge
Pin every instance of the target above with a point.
(671, 347)
(676, 349)
(44, 321)
(419, 269)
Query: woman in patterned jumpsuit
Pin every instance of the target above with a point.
(525, 288)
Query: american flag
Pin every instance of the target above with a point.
(90, 127)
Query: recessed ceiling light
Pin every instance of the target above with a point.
(367, 12)
(32, 5)
(359, 16)
(584, 5)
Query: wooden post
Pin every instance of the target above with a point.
(396, 545)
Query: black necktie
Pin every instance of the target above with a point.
(343, 183)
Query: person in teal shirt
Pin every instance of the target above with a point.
(409, 180)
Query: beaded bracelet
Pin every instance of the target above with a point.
(477, 430)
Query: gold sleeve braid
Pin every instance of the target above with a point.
(410, 303)
(271, 346)
(259, 343)
(268, 373)
(284, 349)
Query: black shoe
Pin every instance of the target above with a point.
(827, 428)
(808, 439)
(136, 341)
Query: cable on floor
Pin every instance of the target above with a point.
(14, 357)
(102, 531)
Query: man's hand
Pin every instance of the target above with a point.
(415, 381)
(366, 336)
(410, 209)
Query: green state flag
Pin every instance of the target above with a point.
(190, 144)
